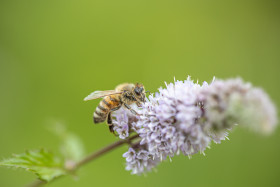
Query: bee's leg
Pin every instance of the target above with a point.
(117, 108)
(109, 119)
(138, 104)
(109, 122)
(131, 110)
(111, 129)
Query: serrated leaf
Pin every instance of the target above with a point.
(41, 162)
(72, 147)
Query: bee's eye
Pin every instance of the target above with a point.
(137, 91)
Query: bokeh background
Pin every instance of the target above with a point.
(55, 52)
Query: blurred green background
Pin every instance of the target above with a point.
(53, 53)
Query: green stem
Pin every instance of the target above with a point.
(90, 158)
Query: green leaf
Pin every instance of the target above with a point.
(72, 147)
(41, 162)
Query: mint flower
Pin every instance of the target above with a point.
(185, 117)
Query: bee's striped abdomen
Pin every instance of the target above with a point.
(101, 112)
(104, 107)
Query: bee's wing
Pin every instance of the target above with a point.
(98, 94)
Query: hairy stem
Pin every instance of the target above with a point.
(103, 151)
(90, 158)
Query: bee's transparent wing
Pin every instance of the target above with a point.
(98, 94)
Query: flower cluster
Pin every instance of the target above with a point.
(185, 117)
(139, 160)
(123, 121)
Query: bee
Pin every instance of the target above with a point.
(123, 96)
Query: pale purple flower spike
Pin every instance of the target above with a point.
(185, 117)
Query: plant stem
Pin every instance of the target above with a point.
(103, 151)
(37, 183)
(90, 158)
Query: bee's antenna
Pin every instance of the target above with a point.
(147, 92)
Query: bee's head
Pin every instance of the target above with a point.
(139, 92)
